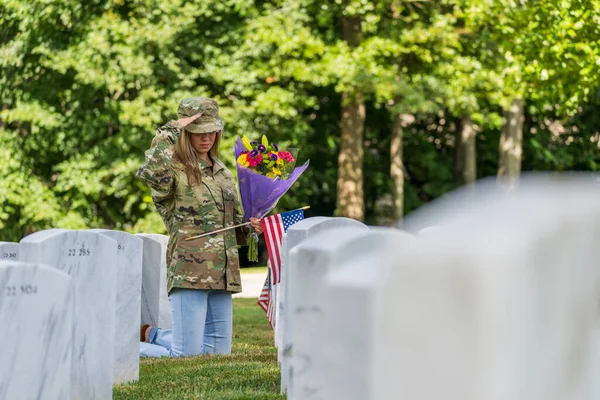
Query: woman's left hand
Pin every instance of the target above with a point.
(255, 222)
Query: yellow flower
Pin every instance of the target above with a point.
(243, 160)
(246, 143)
(276, 171)
(279, 161)
(265, 142)
(271, 175)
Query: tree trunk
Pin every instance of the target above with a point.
(397, 168)
(465, 165)
(511, 142)
(350, 195)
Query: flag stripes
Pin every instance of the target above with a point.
(273, 231)
(273, 228)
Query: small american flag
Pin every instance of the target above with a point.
(264, 300)
(274, 227)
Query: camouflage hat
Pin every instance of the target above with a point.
(207, 112)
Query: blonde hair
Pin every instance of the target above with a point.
(189, 157)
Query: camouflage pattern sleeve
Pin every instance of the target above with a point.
(166, 133)
(158, 173)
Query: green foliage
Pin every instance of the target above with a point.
(83, 86)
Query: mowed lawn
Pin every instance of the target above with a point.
(251, 372)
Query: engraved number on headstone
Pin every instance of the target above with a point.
(12, 291)
(28, 289)
(121, 247)
(9, 255)
(82, 252)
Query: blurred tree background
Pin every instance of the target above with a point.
(395, 102)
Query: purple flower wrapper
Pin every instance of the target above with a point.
(260, 194)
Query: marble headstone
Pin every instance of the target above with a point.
(156, 310)
(309, 265)
(279, 300)
(281, 340)
(128, 303)
(36, 316)
(351, 293)
(500, 304)
(9, 251)
(295, 235)
(90, 260)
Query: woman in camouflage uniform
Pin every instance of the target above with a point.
(194, 192)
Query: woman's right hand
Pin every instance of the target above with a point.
(255, 222)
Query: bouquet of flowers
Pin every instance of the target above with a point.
(265, 173)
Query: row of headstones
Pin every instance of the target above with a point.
(501, 301)
(71, 306)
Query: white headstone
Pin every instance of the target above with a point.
(9, 251)
(282, 340)
(36, 316)
(127, 317)
(280, 301)
(156, 310)
(309, 265)
(343, 363)
(295, 235)
(90, 259)
(501, 304)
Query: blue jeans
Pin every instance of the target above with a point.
(202, 324)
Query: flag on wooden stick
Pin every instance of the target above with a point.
(274, 227)
(264, 300)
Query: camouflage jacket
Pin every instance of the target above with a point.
(210, 262)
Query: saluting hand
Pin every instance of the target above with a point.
(255, 222)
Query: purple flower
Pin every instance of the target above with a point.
(262, 148)
(275, 146)
(254, 143)
(274, 157)
(253, 153)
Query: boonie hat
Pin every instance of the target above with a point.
(199, 115)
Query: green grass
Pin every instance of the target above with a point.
(254, 270)
(251, 372)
